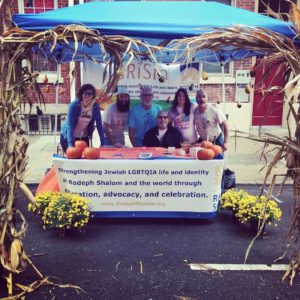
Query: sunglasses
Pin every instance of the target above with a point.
(163, 117)
(90, 94)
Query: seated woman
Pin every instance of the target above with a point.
(181, 115)
(164, 135)
(82, 115)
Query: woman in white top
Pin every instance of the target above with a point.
(83, 113)
(181, 115)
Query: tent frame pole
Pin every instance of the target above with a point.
(224, 108)
(223, 88)
(56, 106)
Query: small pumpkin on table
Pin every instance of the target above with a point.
(209, 150)
(81, 149)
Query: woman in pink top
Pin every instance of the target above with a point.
(181, 115)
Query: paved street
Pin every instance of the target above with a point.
(149, 258)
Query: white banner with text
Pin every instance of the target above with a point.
(165, 185)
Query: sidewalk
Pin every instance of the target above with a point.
(243, 157)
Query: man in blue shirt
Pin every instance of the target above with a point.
(142, 117)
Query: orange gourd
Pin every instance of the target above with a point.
(217, 149)
(45, 79)
(74, 152)
(247, 89)
(91, 153)
(81, 144)
(46, 89)
(204, 75)
(206, 144)
(206, 154)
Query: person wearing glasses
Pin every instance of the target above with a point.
(142, 117)
(211, 124)
(181, 115)
(164, 134)
(83, 113)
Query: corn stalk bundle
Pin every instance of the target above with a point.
(116, 51)
(16, 79)
(285, 53)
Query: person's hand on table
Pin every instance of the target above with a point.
(225, 146)
(118, 145)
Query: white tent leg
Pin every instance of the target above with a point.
(200, 75)
(56, 107)
(223, 88)
(224, 108)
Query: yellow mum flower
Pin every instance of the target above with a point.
(62, 210)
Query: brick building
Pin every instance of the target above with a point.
(241, 119)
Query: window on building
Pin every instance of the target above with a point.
(37, 6)
(280, 7)
(215, 68)
(43, 64)
(40, 63)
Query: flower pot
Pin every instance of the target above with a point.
(254, 227)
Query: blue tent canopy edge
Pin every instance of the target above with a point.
(153, 22)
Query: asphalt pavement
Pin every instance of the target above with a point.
(149, 259)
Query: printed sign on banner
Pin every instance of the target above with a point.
(171, 78)
(143, 185)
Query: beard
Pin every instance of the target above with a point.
(123, 106)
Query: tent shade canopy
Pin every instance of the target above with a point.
(153, 22)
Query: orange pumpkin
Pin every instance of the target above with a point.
(217, 149)
(91, 153)
(74, 152)
(206, 144)
(47, 89)
(81, 144)
(206, 154)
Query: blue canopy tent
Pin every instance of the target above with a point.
(155, 23)
(152, 22)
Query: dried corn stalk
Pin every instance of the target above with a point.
(15, 45)
(282, 51)
(16, 77)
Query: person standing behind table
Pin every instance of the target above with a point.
(208, 120)
(164, 135)
(181, 115)
(115, 119)
(142, 117)
(82, 115)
